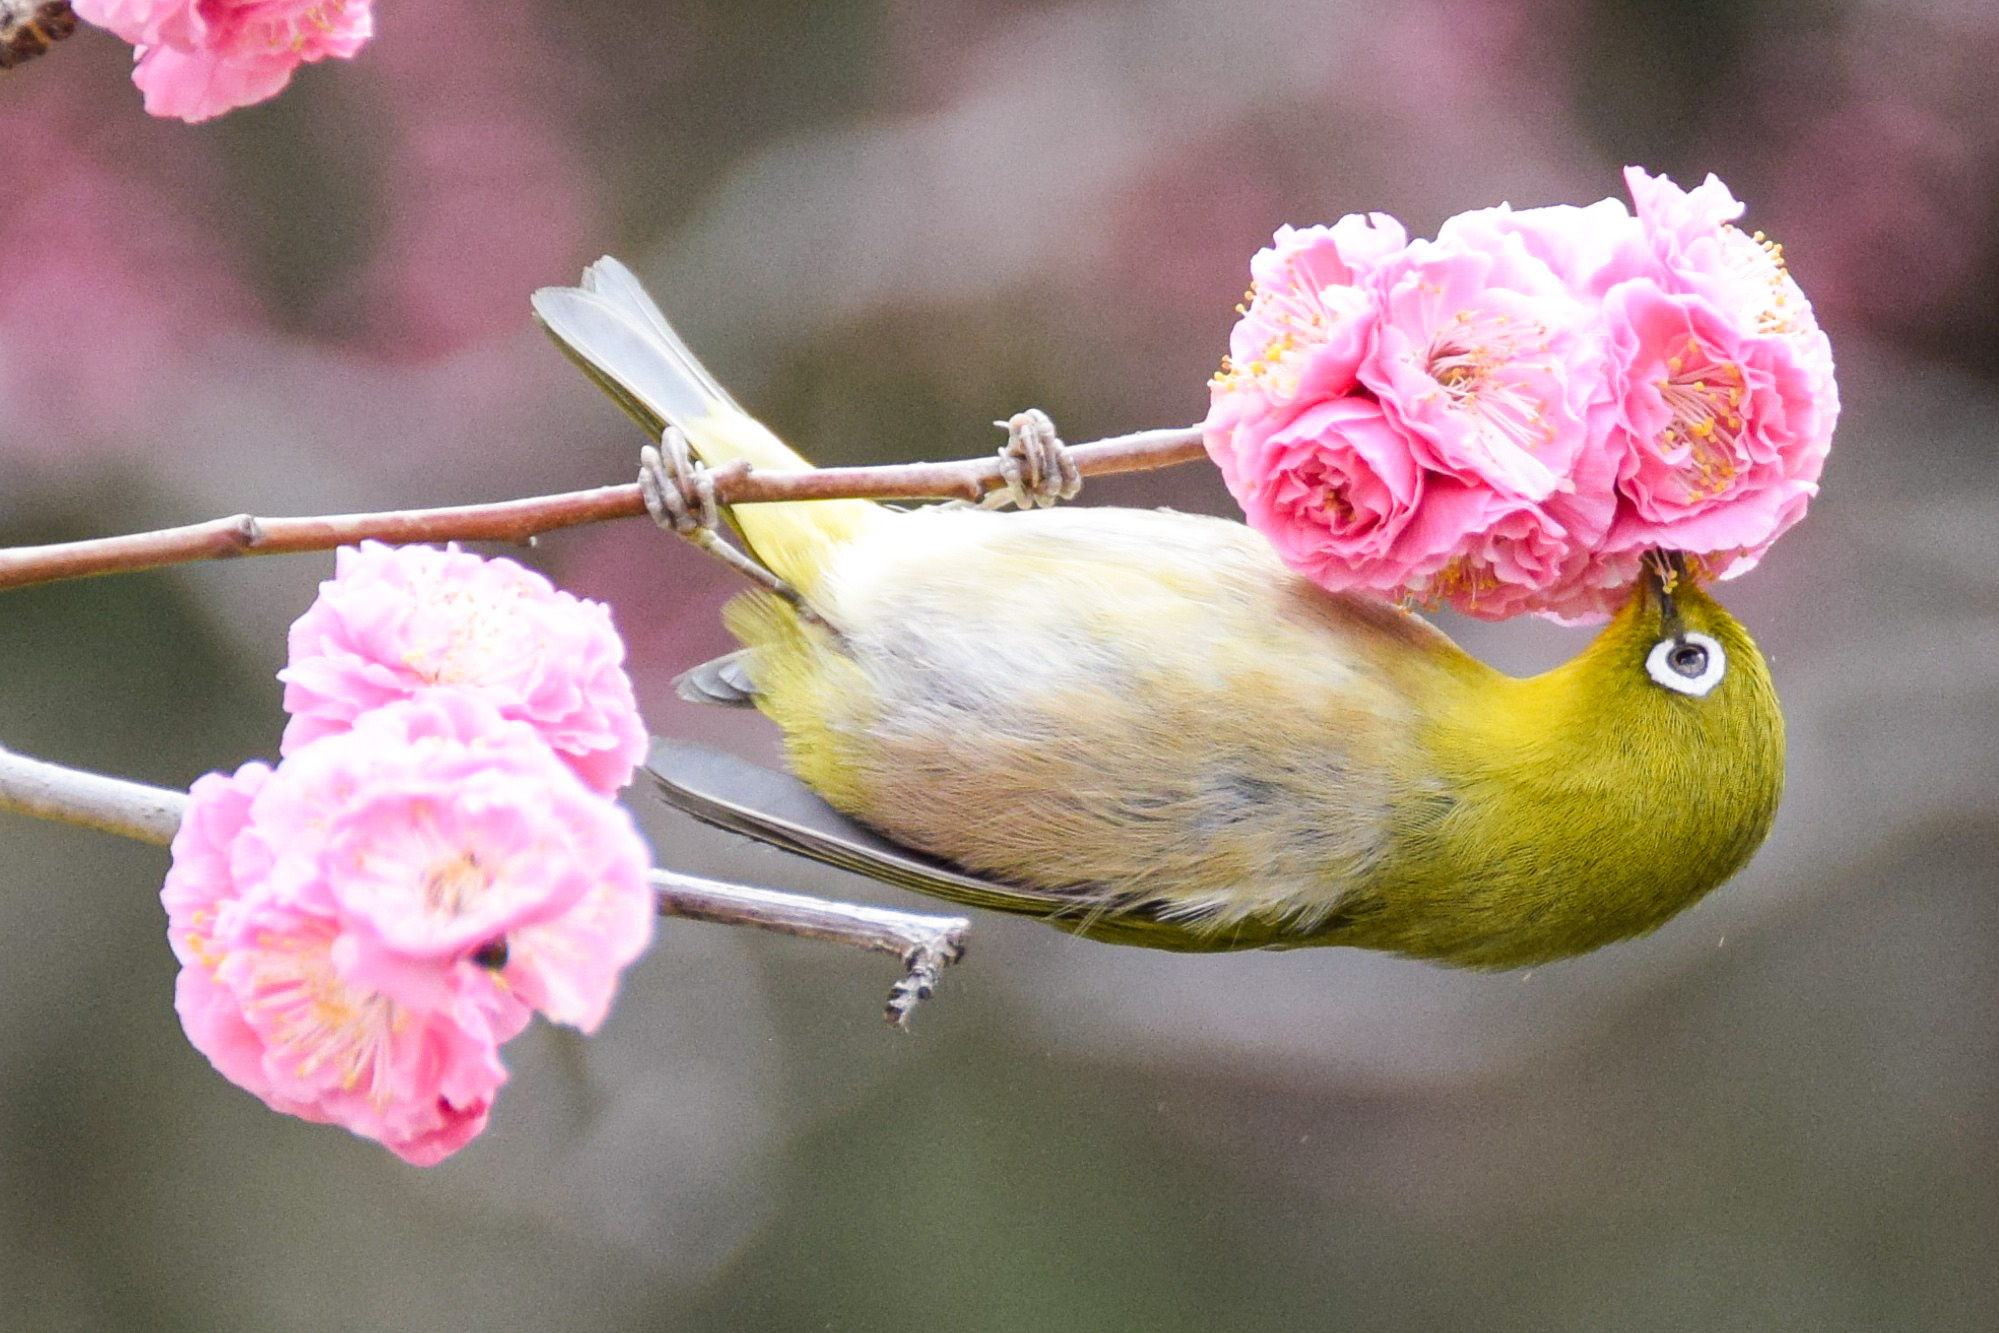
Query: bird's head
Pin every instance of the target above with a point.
(1677, 648)
(1676, 702)
(1607, 794)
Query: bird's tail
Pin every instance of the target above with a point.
(613, 331)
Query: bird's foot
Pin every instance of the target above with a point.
(679, 493)
(679, 489)
(1034, 464)
(924, 962)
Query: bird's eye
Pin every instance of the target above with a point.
(1687, 663)
(492, 955)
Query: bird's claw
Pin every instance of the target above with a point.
(923, 963)
(679, 493)
(1034, 464)
(679, 490)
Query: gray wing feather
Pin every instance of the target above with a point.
(724, 680)
(776, 808)
(718, 788)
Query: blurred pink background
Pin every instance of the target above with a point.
(884, 225)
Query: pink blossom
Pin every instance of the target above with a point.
(1420, 419)
(199, 58)
(398, 621)
(1726, 398)
(210, 859)
(1586, 248)
(444, 793)
(260, 995)
(1507, 418)
(1521, 558)
(361, 928)
(1308, 321)
(1337, 492)
(1489, 365)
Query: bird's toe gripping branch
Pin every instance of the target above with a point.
(679, 493)
(924, 962)
(1034, 463)
(679, 490)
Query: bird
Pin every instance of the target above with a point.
(1141, 727)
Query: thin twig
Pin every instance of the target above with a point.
(519, 521)
(925, 944)
(72, 796)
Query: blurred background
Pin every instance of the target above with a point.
(886, 223)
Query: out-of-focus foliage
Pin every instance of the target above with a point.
(885, 225)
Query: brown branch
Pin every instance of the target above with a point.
(520, 521)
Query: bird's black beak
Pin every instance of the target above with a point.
(1663, 572)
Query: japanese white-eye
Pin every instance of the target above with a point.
(1141, 727)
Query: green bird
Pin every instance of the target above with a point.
(1141, 727)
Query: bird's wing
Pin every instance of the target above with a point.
(720, 789)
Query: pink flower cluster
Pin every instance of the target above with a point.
(436, 857)
(397, 621)
(199, 58)
(1509, 417)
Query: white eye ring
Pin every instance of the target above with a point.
(1687, 663)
